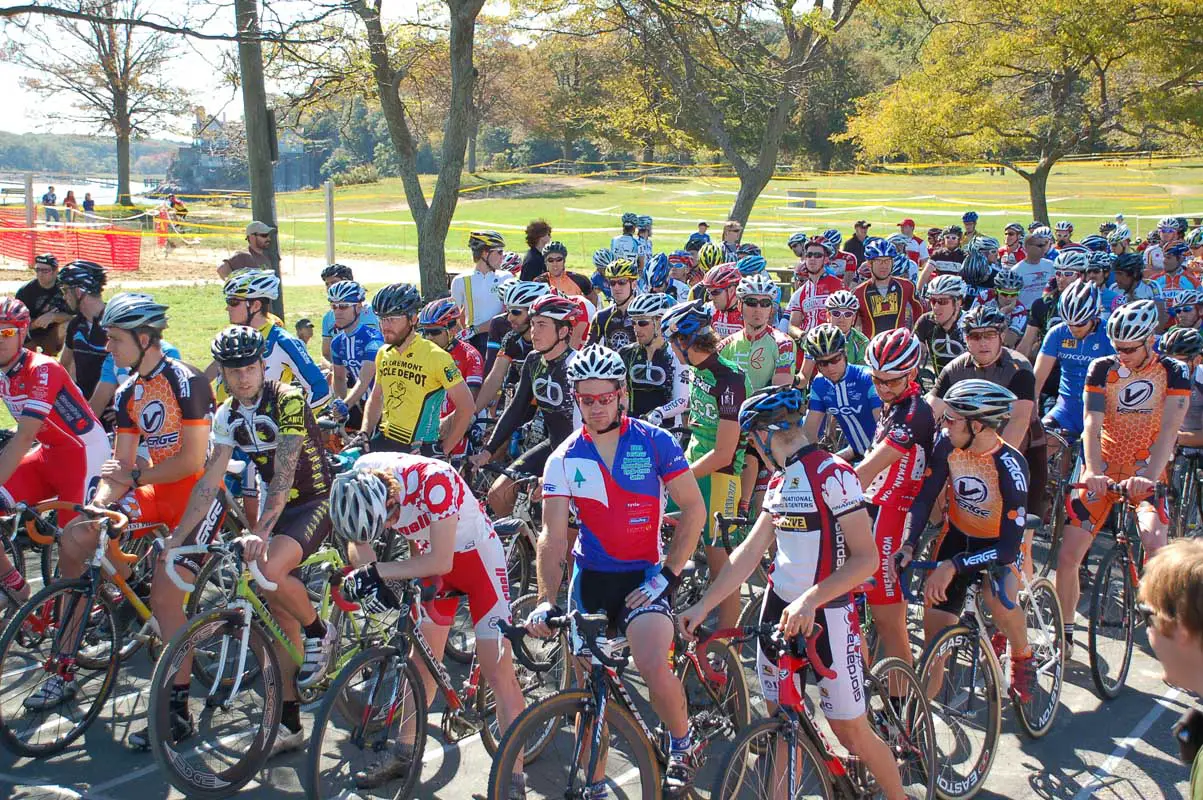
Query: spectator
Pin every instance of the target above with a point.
(733, 232)
(89, 203)
(856, 245)
(1171, 595)
(304, 330)
(916, 248)
(255, 256)
(702, 228)
(538, 235)
(49, 201)
(48, 312)
(70, 206)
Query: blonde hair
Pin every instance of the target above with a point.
(1173, 584)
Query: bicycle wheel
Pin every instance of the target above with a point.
(906, 725)
(718, 709)
(234, 732)
(1112, 601)
(29, 650)
(1184, 509)
(461, 639)
(966, 706)
(535, 685)
(1046, 539)
(372, 702)
(755, 768)
(1043, 613)
(750, 615)
(627, 759)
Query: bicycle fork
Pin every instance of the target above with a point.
(244, 640)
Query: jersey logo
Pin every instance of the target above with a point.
(450, 372)
(585, 479)
(648, 374)
(971, 489)
(548, 392)
(1135, 395)
(842, 491)
(152, 416)
(756, 358)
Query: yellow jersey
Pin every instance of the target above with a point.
(413, 384)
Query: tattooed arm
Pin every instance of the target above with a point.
(203, 493)
(288, 452)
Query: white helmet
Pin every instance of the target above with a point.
(358, 506)
(597, 362)
(758, 285)
(253, 284)
(1080, 303)
(1133, 322)
(523, 294)
(950, 285)
(982, 400)
(650, 304)
(843, 300)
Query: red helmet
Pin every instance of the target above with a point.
(722, 276)
(557, 307)
(13, 312)
(582, 310)
(894, 352)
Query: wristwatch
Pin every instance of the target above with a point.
(134, 475)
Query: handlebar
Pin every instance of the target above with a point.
(773, 631)
(232, 548)
(410, 587)
(997, 575)
(1159, 495)
(590, 627)
(43, 532)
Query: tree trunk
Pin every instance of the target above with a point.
(751, 184)
(472, 154)
(123, 192)
(1038, 188)
(649, 153)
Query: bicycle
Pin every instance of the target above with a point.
(378, 698)
(969, 693)
(770, 758)
(1186, 493)
(1064, 467)
(69, 629)
(588, 729)
(1113, 614)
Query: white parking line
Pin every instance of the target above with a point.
(1126, 744)
(44, 785)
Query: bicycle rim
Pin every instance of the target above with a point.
(32, 640)
(966, 706)
(757, 766)
(234, 733)
(1111, 625)
(628, 762)
(461, 639)
(718, 710)
(906, 725)
(360, 723)
(1043, 613)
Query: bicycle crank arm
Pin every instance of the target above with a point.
(456, 727)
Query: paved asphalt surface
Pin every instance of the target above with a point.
(1121, 749)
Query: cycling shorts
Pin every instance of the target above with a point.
(888, 526)
(71, 474)
(720, 493)
(838, 647)
(597, 592)
(1060, 420)
(953, 542)
(533, 460)
(165, 503)
(481, 576)
(307, 523)
(1037, 458)
(1089, 511)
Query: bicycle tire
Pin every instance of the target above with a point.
(951, 643)
(16, 635)
(338, 703)
(753, 746)
(520, 561)
(1048, 648)
(1100, 666)
(730, 702)
(565, 706)
(910, 732)
(240, 759)
(461, 639)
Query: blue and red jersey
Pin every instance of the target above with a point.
(621, 512)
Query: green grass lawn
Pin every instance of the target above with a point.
(372, 221)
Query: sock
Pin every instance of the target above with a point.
(683, 744)
(179, 699)
(291, 718)
(1069, 631)
(315, 629)
(1026, 654)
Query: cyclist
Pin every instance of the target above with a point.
(515, 345)
(683, 268)
(710, 255)
(81, 283)
(614, 471)
(1135, 403)
(815, 513)
(413, 377)
(1186, 310)
(840, 390)
(1073, 343)
(248, 302)
(499, 326)
(52, 413)
(476, 291)
(842, 262)
(626, 245)
(1170, 230)
(555, 256)
(657, 383)
(893, 472)
(1013, 246)
(453, 541)
(939, 330)
(269, 423)
(1186, 345)
(720, 284)
(1175, 279)
(657, 277)
(807, 305)
(950, 249)
(1128, 270)
(1098, 272)
(715, 455)
(1008, 286)
(330, 276)
(988, 484)
(969, 220)
(543, 388)
(886, 302)
(438, 322)
(915, 248)
(797, 245)
(601, 259)
(842, 309)
(353, 349)
(643, 236)
(1064, 233)
(612, 325)
(1070, 266)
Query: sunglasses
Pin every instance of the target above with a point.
(643, 323)
(1128, 350)
(234, 302)
(604, 399)
(1094, 271)
(433, 331)
(981, 336)
(1184, 309)
(620, 282)
(342, 306)
(941, 301)
(945, 419)
(1001, 293)
(762, 303)
(816, 255)
(8, 333)
(516, 312)
(714, 292)
(842, 314)
(553, 259)
(829, 362)
(1067, 273)
(879, 381)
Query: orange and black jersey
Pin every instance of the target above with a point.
(159, 406)
(988, 499)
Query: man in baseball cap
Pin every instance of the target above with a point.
(856, 245)
(258, 242)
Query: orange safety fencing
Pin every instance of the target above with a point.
(109, 246)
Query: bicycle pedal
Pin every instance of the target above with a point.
(457, 727)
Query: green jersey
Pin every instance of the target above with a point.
(856, 346)
(716, 392)
(761, 359)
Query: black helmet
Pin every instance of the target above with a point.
(983, 316)
(237, 346)
(396, 299)
(87, 275)
(1130, 264)
(1180, 341)
(340, 271)
(48, 259)
(556, 247)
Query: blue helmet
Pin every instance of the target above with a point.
(686, 319)
(771, 408)
(751, 265)
(1096, 243)
(439, 314)
(346, 292)
(969, 216)
(796, 239)
(655, 272)
(902, 266)
(833, 238)
(876, 247)
(1101, 261)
